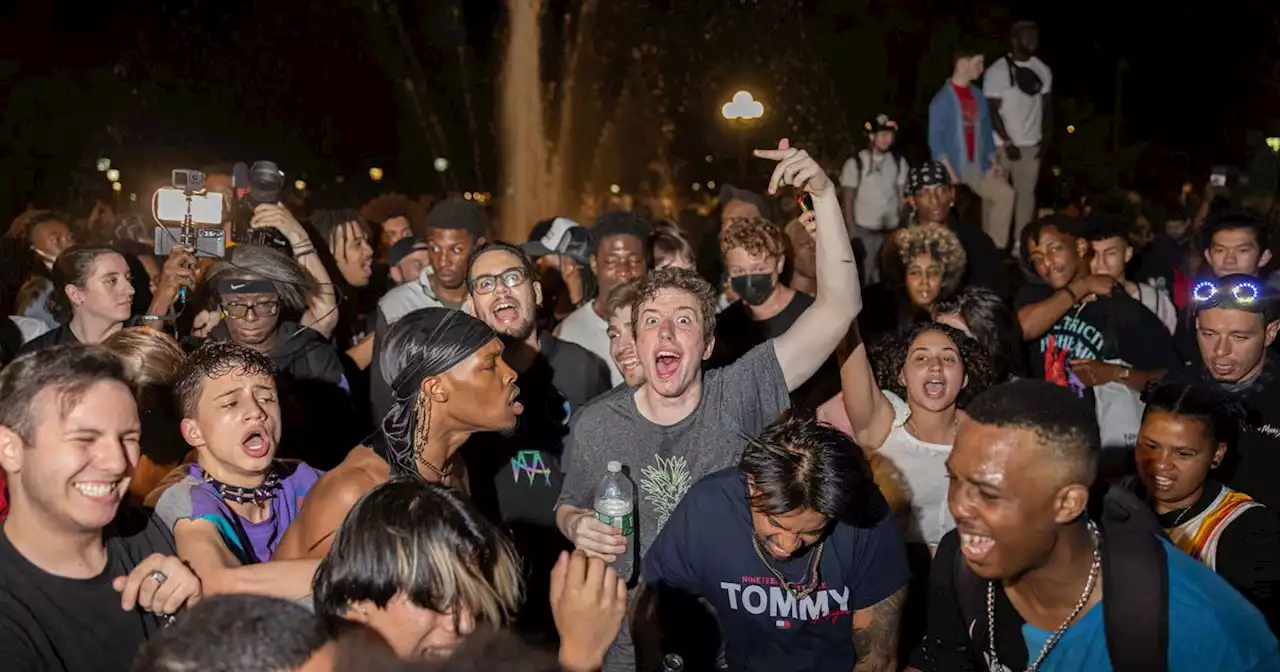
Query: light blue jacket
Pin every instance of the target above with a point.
(946, 131)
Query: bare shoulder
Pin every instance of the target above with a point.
(360, 472)
(328, 503)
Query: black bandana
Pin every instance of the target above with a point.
(425, 343)
(928, 174)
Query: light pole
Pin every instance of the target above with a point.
(740, 112)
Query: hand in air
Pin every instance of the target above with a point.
(795, 168)
(278, 217)
(160, 584)
(179, 271)
(588, 601)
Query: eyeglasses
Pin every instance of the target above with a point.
(241, 310)
(487, 284)
(1243, 293)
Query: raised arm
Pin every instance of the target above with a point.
(201, 547)
(817, 332)
(875, 634)
(870, 413)
(322, 303)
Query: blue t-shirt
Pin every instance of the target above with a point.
(1211, 626)
(705, 549)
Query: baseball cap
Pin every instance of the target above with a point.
(732, 193)
(563, 236)
(403, 248)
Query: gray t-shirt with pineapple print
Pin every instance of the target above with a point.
(738, 401)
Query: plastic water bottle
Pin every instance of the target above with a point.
(614, 506)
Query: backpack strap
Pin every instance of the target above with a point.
(1134, 568)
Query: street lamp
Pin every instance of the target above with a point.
(375, 174)
(743, 106)
(113, 175)
(103, 164)
(441, 164)
(743, 109)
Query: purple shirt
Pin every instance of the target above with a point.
(193, 498)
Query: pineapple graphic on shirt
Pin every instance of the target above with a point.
(664, 484)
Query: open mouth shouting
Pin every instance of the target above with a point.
(506, 312)
(256, 442)
(935, 387)
(976, 547)
(667, 362)
(516, 406)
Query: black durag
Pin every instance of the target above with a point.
(426, 342)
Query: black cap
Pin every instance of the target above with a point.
(732, 193)
(403, 248)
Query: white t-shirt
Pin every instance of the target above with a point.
(589, 330)
(924, 468)
(1158, 302)
(876, 206)
(1022, 114)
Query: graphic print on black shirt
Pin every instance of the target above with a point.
(1108, 328)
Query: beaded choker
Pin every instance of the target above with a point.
(234, 493)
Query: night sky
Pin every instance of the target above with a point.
(319, 87)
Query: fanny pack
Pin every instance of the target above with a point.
(1025, 79)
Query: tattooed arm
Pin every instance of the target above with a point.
(875, 634)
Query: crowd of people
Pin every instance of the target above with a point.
(852, 431)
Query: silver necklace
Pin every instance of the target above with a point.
(1084, 599)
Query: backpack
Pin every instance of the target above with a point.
(1137, 635)
(864, 173)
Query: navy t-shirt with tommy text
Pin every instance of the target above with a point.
(705, 549)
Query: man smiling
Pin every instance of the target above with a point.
(81, 588)
(1028, 580)
(682, 424)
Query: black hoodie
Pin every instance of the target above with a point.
(1251, 466)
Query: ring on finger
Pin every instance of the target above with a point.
(158, 576)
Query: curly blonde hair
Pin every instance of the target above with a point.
(940, 243)
(756, 235)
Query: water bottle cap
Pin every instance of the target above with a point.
(614, 466)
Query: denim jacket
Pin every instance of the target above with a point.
(946, 131)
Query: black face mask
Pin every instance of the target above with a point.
(754, 289)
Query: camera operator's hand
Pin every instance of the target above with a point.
(179, 271)
(278, 217)
(588, 601)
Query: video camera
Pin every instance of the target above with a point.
(189, 205)
(255, 185)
